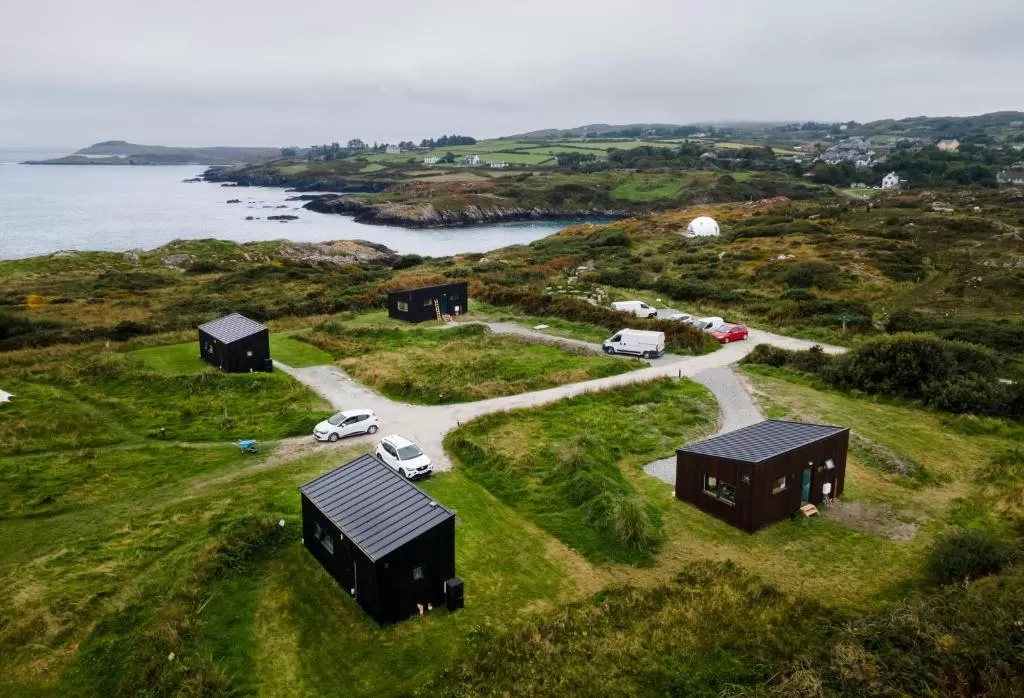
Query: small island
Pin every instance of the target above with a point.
(124, 153)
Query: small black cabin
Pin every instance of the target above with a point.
(236, 344)
(763, 473)
(384, 539)
(429, 302)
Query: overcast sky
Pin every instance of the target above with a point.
(256, 72)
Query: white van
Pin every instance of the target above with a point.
(638, 308)
(643, 343)
(707, 323)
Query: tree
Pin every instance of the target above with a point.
(356, 144)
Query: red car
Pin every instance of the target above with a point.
(729, 333)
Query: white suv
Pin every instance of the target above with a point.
(404, 456)
(346, 423)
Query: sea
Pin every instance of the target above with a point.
(49, 208)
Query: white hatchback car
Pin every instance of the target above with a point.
(346, 423)
(404, 456)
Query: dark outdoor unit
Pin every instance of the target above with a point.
(385, 540)
(763, 473)
(429, 302)
(236, 344)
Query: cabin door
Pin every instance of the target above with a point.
(444, 303)
(805, 486)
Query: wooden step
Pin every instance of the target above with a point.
(809, 510)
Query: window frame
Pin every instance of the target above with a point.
(778, 488)
(402, 306)
(720, 487)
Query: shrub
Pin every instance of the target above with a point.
(827, 277)
(963, 555)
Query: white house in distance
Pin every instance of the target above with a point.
(392, 149)
(498, 163)
(701, 227)
(948, 145)
(890, 181)
(1013, 175)
(431, 160)
(471, 160)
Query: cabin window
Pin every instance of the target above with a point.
(321, 535)
(722, 491)
(249, 353)
(779, 485)
(402, 306)
(417, 573)
(427, 302)
(829, 463)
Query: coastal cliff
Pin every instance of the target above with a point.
(427, 215)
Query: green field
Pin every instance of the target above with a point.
(649, 188)
(444, 366)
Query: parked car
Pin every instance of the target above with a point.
(680, 317)
(707, 323)
(346, 423)
(638, 308)
(643, 343)
(729, 333)
(404, 456)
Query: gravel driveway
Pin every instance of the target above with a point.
(427, 424)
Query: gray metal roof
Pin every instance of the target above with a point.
(231, 328)
(431, 288)
(763, 440)
(375, 507)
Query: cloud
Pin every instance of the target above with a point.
(257, 72)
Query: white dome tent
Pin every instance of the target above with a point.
(702, 226)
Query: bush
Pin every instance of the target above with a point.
(963, 555)
(827, 277)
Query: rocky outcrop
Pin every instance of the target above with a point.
(285, 217)
(426, 215)
(338, 253)
(262, 177)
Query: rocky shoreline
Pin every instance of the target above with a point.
(406, 215)
(426, 215)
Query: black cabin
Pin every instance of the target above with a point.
(236, 344)
(382, 538)
(429, 302)
(763, 473)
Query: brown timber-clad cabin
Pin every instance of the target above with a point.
(763, 473)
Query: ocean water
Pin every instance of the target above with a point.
(44, 209)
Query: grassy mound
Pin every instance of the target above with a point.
(462, 364)
(560, 465)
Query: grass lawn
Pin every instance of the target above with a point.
(89, 396)
(559, 464)
(461, 364)
(183, 359)
(296, 353)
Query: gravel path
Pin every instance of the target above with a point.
(427, 424)
(736, 409)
